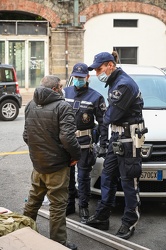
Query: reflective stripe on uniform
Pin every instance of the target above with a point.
(83, 132)
(85, 146)
(116, 129)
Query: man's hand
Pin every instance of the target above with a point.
(102, 152)
(73, 163)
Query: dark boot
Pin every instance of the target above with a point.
(100, 219)
(96, 222)
(125, 232)
(83, 213)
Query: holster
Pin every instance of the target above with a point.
(126, 127)
(137, 140)
(118, 148)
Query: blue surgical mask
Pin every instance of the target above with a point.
(79, 82)
(103, 77)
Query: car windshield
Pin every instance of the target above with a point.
(153, 89)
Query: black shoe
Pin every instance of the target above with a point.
(83, 213)
(70, 209)
(93, 221)
(71, 246)
(125, 232)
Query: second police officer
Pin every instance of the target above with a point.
(88, 106)
(123, 158)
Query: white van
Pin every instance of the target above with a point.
(152, 84)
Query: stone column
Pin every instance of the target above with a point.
(66, 49)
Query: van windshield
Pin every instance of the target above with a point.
(152, 87)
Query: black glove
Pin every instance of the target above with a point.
(102, 152)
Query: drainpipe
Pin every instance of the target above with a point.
(66, 52)
(76, 7)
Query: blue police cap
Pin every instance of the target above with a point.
(100, 58)
(80, 69)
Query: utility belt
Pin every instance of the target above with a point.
(134, 133)
(129, 129)
(116, 129)
(80, 133)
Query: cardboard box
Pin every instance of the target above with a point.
(28, 239)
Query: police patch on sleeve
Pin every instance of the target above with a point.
(115, 95)
(103, 106)
(85, 118)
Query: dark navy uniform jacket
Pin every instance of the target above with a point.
(88, 105)
(125, 101)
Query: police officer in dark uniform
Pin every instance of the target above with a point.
(123, 159)
(88, 105)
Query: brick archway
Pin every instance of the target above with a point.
(129, 7)
(31, 7)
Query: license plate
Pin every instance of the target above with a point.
(152, 175)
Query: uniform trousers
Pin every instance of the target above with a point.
(84, 167)
(128, 168)
(55, 185)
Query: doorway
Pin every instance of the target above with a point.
(29, 58)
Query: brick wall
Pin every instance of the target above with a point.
(143, 7)
(66, 50)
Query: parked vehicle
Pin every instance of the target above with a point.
(164, 69)
(152, 84)
(10, 98)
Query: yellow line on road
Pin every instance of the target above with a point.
(15, 153)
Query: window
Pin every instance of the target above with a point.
(127, 55)
(9, 77)
(2, 52)
(16, 52)
(36, 62)
(24, 28)
(125, 23)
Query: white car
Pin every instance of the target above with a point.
(152, 84)
(164, 69)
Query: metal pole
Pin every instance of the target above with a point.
(66, 52)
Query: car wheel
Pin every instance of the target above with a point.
(9, 110)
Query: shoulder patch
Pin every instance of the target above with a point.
(103, 106)
(116, 94)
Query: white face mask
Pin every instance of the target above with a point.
(103, 77)
(62, 93)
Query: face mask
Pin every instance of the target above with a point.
(79, 82)
(103, 77)
(63, 93)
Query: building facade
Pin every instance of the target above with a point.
(71, 31)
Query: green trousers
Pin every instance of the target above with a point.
(55, 185)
